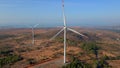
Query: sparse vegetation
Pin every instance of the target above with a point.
(5, 36)
(76, 63)
(101, 63)
(111, 58)
(9, 60)
(72, 42)
(87, 52)
(90, 47)
(6, 52)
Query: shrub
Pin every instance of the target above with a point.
(9, 60)
(101, 63)
(90, 47)
(71, 42)
(75, 63)
(113, 58)
(5, 36)
(31, 61)
(80, 54)
(6, 52)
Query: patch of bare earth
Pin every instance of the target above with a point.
(114, 63)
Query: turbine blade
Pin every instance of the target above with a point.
(74, 31)
(35, 25)
(57, 34)
(64, 17)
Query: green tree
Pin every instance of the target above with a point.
(90, 47)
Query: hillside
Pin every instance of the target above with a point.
(16, 43)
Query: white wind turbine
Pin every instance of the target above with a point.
(65, 28)
(33, 34)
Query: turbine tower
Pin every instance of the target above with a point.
(65, 28)
(33, 34)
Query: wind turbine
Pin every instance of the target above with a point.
(65, 28)
(33, 34)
